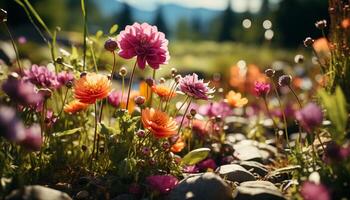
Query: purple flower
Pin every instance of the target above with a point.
(50, 118)
(162, 183)
(335, 153)
(194, 87)
(114, 98)
(190, 169)
(207, 164)
(65, 77)
(261, 89)
(146, 43)
(11, 127)
(312, 191)
(33, 140)
(21, 92)
(310, 116)
(42, 77)
(216, 109)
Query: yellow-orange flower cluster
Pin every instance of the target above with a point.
(178, 146)
(235, 99)
(163, 92)
(92, 87)
(75, 106)
(159, 123)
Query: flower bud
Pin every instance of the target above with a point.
(111, 45)
(193, 112)
(3, 15)
(69, 84)
(321, 24)
(146, 151)
(189, 116)
(308, 42)
(177, 78)
(270, 72)
(59, 60)
(123, 71)
(150, 82)
(140, 100)
(84, 148)
(162, 80)
(299, 59)
(166, 145)
(284, 80)
(82, 74)
(141, 133)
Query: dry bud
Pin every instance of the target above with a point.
(308, 42)
(270, 72)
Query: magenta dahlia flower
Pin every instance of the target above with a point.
(261, 89)
(194, 87)
(310, 116)
(312, 191)
(162, 183)
(114, 98)
(146, 43)
(41, 76)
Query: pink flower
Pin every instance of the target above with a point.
(194, 87)
(65, 77)
(310, 116)
(261, 89)
(216, 109)
(146, 43)
(335, 153)
(207, 164)
(33, 140)
(162, 183)
(11, 127)
(312, 191)
(42, 77)
(114, 98)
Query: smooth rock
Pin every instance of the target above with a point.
(254, 167)
(235, 137)
(257, 190)
(206, 186)
(82, 194)
(269, 148)
(37, 192)
(235, 173)
(247, 152)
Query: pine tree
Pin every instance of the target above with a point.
(228, 21)
(159, 21)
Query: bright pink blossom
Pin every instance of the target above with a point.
(310, 116)
(162, 183)
(146, 43)
(261, 89)
(312, 191)
(194, 87)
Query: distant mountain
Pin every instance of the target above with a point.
(172, 13)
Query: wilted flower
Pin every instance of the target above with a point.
(65, 77)
(21, 92)
(41, 76)
(75, 106)
(310, 116)
(159, 123)
(235, 99)
(216, 109)
(11, 127)
(92, 87)
(114, 98)
(163, 91)
(162, 183)
(146, 43)
(178, 146)
(33, 140)
(111, 45)
(312, 191)
(194, 87)
(284, 80)
(261, 89)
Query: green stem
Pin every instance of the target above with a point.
(64, 101)
(154, 78)
(83, 7)
(113, 69)
(296, 96)
(130, 85)
(273, 121)
(184, 115)
(95, 136)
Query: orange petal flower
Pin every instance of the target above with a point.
(235, 99)
(345, 23)
(178, 146)
(163, 92)
(75, 106)
(92, 87)
(158, 122)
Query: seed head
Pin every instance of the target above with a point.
(284, 80)
(299, 59)
(321, 24)
(140, 100)
(270, 72)
(111, 45)
(308, 42)
(123, 71)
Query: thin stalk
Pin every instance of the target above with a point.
(172, 90)
(123, 88)
(14, 47)
(319, 139)
(184, 115)
(273, 121)
(296, 96)
(178, 110)
(95, 135)
(83, 8)
(154, 78)
(93, 57)
(113, 69)
(130, 85)
(64, 101)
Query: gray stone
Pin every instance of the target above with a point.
(235, 173)
(247, 152)
(37, 192)
(235, 137)
(206, 186)
(82, 194)
(257, 190)
(269, 148)
(254, 167)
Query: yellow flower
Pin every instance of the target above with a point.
(235, 99)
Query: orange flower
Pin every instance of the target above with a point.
(163, 92)
(92, 87)
(243, 79)
(321, 45)
(132, 104)
(178, 146)
(75, 106)
(159, 123)
(235, 99)
(345, 23)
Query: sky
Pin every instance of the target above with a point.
(237, 5)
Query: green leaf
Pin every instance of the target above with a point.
(113, 29)
(99, 34)
(67, 132)
(335, 105)
(37, 16)
(195, 156)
